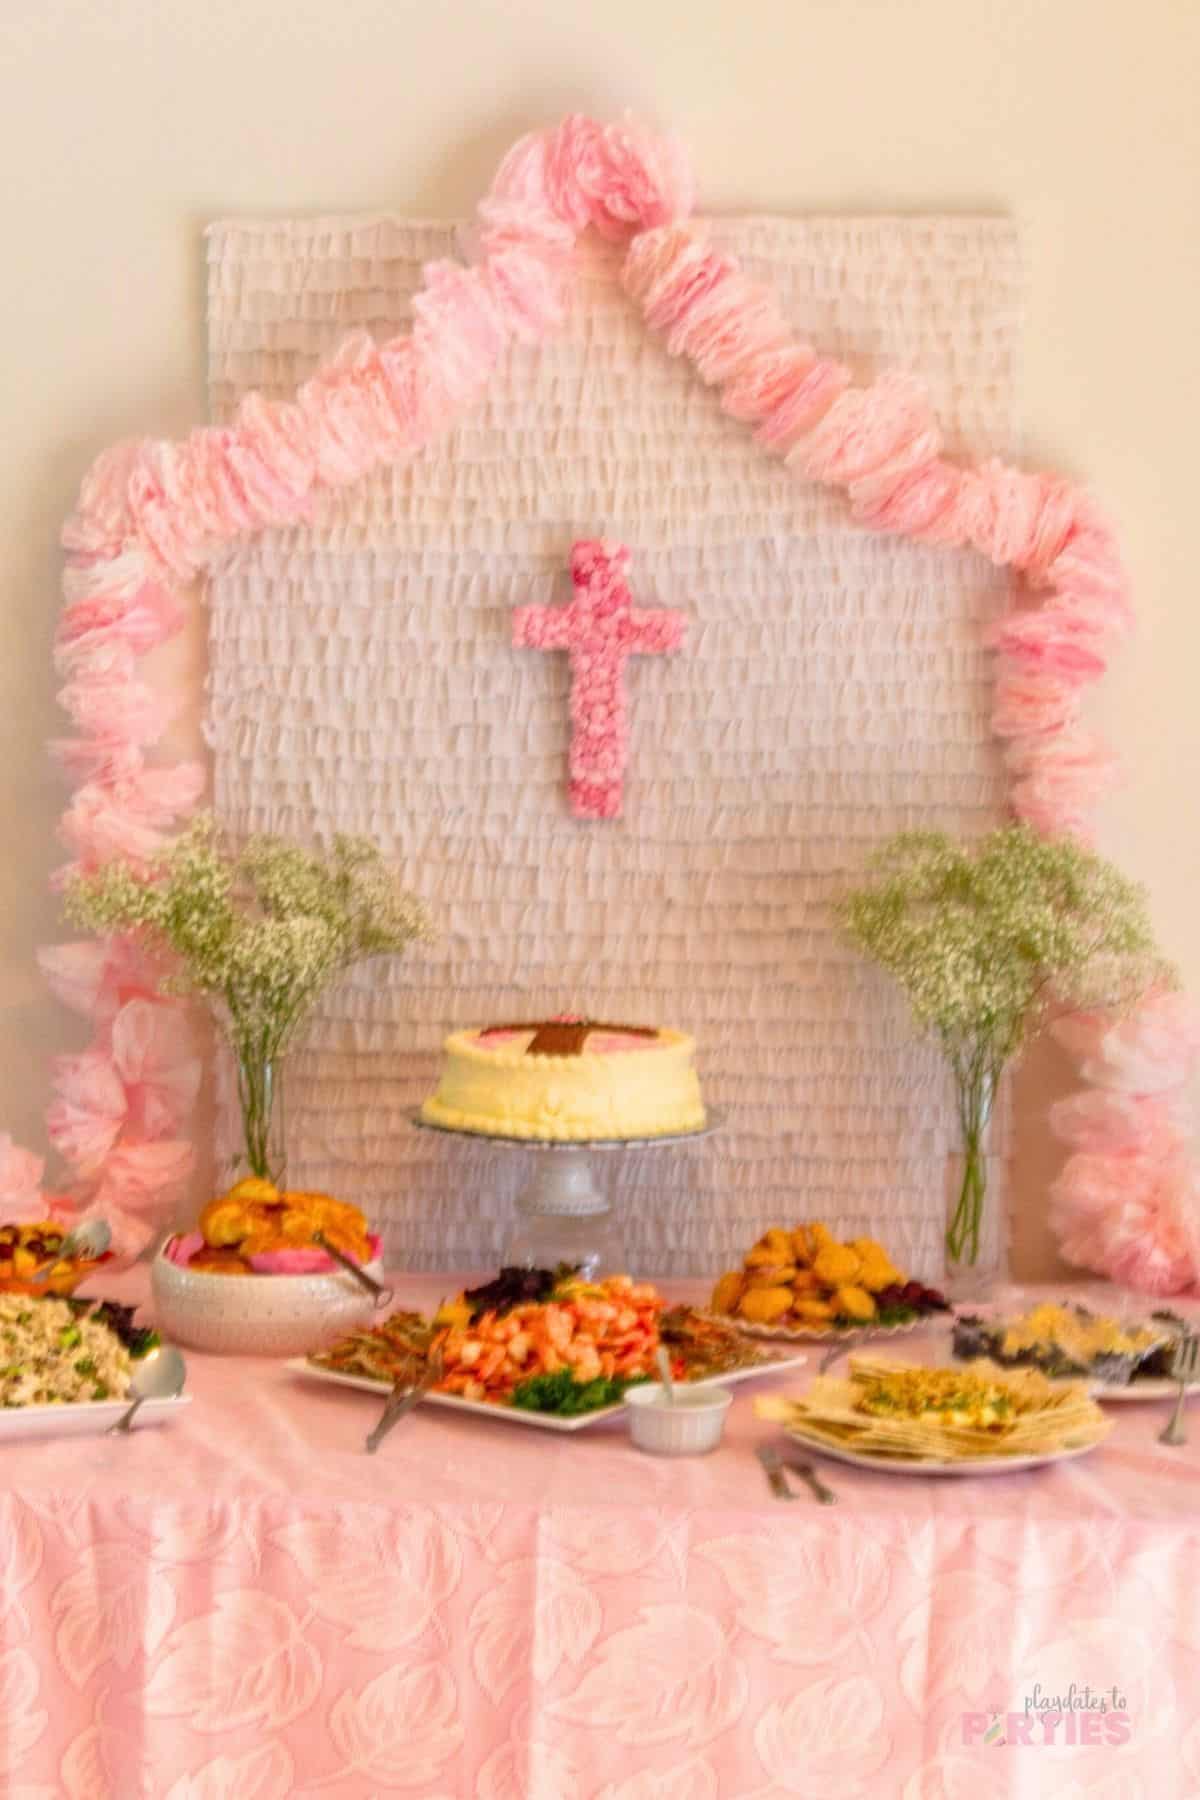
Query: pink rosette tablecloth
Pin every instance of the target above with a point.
(243, 1605)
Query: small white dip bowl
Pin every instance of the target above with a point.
(689, 1428)
(257, 1315)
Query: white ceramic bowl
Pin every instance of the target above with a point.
(257, 1315)
(689, 1428)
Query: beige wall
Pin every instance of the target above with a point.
(126, 124)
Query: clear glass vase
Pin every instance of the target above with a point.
(263, 1150)
(972, 1261)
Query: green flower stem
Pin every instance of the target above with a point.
(258, 1078)
(976, 1091)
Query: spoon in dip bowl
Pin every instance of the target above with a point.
(159, 1376)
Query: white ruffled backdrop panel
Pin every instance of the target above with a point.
(832, 689)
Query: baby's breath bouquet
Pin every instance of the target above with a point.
(988, 941)
(260, 934)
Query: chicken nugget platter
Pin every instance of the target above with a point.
(545, 1348)
(799, 1284)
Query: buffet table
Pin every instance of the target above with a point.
(243, 1604)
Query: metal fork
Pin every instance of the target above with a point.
(1183, 1369)
(402, 1400)
(774, 1467)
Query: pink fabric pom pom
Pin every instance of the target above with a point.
(1016, 519)
(338, 416)
(105, 823)
(155, 1057)
(923, 504)
(766, 379)
(113, 599)
(102, 523)
(421, 405)
(1133, 1219)
(721, 320)
(97, 759)
(1032, 705)
(669, 271)
(462, 325)
(1044, 640)
(21, 1197)
(162, 793)
(802, 405)
(100, 975)
(548, 179)
(99, 830)
(166, 525)
(85, 1121)
(118, 711)
(1151, 1050)
(1109, 1121)
(1060, 506)
(530, 294)
(631, 177)
(1071, 745)
(887, 427)
(1090, 577)
(277, 435)
(120, 575)
(1061, 778)
(141, 1176)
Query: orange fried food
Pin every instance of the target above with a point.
(254, 1189)
(728, 1291)
(853, 1303)
(774, 1276)
(255, 1219)
(836, 1265)
(220, 1262)
(765, 1305)
(224, 1222)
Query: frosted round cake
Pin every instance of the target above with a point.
(567, 1079)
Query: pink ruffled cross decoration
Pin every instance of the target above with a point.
(600, 629)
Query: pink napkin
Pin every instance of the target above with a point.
(304, 1260)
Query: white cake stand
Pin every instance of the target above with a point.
(563, 1193)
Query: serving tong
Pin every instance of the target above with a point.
(1183, 1370)
(381, 1295)
(405, 1395)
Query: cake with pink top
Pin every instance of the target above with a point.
(568, 1079)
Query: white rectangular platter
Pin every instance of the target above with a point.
(516, 1415)
(83, 1418)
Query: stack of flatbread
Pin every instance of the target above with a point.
(915, 1413)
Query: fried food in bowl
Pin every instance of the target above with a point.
(258, 1228)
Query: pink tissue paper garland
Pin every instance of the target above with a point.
(153, 515)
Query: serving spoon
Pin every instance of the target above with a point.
(88, 1241)
(159, 1376)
